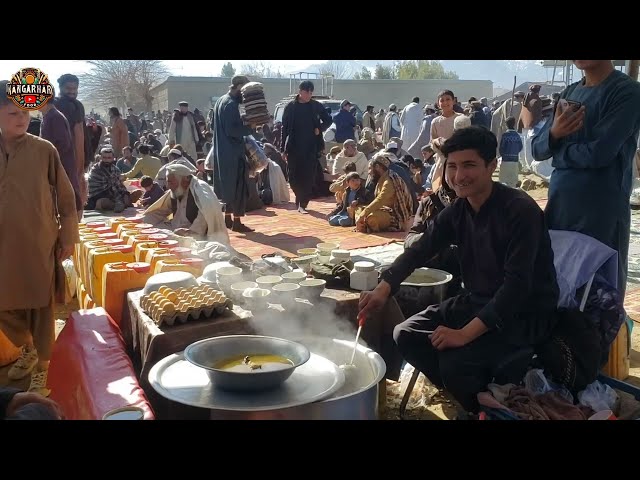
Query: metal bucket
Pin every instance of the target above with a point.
(424, 287)
(356, 400)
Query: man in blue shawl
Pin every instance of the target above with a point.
(592, 144)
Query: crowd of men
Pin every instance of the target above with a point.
(425, 170)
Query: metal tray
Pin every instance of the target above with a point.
(176, 379)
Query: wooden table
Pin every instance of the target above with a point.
(334, 316)
(150, 343)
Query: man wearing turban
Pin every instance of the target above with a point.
(189, 207)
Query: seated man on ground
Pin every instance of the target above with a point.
(106, 191)
(350, 153)
(201, 174)
(192, 205)
(127, 162)
(428, 155)
(272, 152)
(402, 170)
(400, 152)
(393, 204)
(420, 173)
(507, 268)
(146, 164)
(175, 158)
(352, 198)
(152, 192)
(272, 185)
(367, 143)
(330, 159)
(17, 405)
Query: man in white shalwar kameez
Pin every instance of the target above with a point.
(411, 120)
(183, 130)
(189, 208)
(391, 126)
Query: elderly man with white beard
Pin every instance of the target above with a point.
(189, 208)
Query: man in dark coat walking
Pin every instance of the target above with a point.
(303, 122)
(231, 175)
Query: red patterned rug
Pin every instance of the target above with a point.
(282, 228)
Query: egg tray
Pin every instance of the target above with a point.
(166, 306)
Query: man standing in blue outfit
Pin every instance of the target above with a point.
(345, 123)
(592, 148)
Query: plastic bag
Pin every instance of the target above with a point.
(536, 382)
(258, 160)
(70, 273)
(270, 265)
(423, 391)
(562, 391)
(329, 134)
(211, 251)
(598, 397)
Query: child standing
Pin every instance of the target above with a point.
(510, 148)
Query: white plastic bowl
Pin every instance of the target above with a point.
(172, 280)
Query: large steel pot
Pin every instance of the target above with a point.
(424, 287)
(356, 400)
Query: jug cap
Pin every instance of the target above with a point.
(139, 267)
(112, 242)
(180, 251)
(193, 261)
(168, 243)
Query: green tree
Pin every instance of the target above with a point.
(228, 70)
(364, 74)
(423, 70)
(382, 72)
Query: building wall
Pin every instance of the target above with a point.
(380, 93)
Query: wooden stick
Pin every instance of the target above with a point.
(513, 94)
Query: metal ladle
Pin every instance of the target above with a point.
(355, 346)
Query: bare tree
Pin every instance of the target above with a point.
(259, 70)
(122, 82)
(148, 74)
(337, 68)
